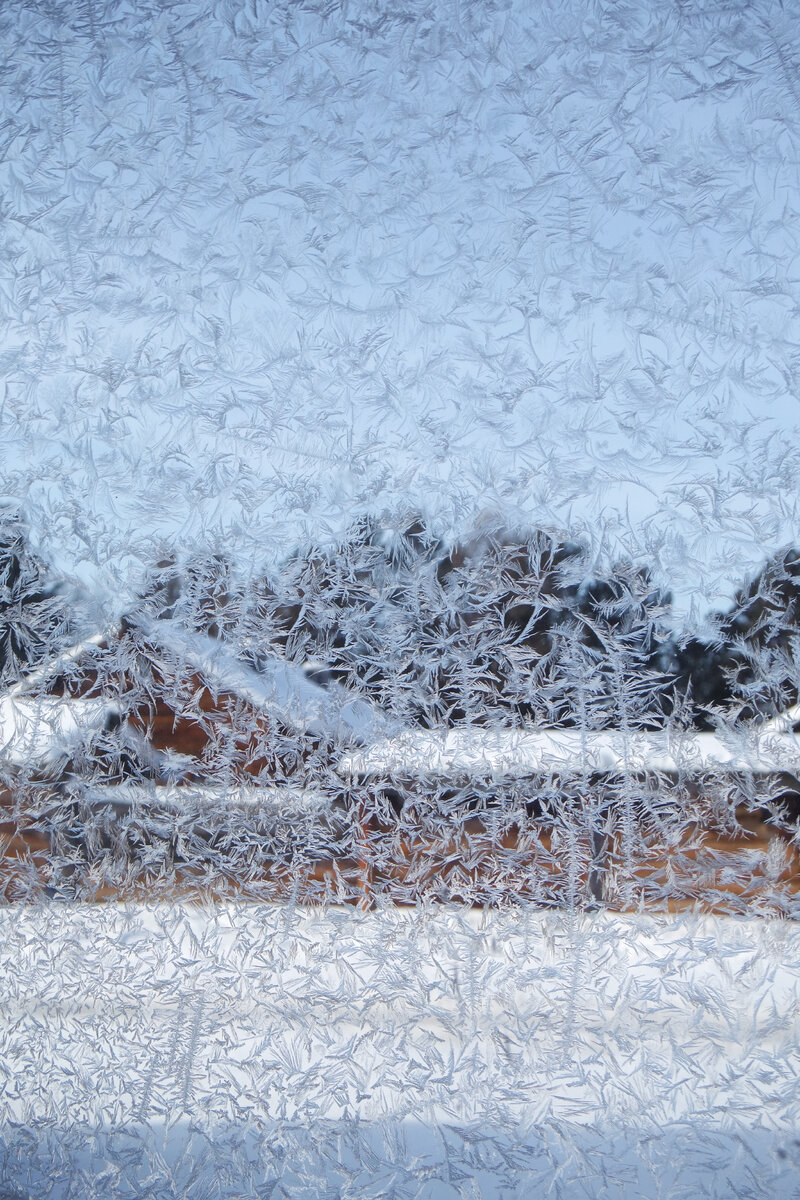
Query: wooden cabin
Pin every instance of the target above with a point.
(150, 762)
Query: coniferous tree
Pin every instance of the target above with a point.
(33, 616)
(752, 667)
(497, 627)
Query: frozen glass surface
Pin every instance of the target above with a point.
(399, 496)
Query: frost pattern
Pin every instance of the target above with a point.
(399, 562)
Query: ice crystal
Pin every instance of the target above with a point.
(399, 599)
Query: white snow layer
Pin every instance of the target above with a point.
(267, 265)
(253, 1051)
(495, 753)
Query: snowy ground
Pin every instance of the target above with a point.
(259, 1051)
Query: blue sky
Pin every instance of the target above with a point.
(269, 266)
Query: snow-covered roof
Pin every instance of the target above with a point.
(278, 686)
(575, 752)
(36, 727)
(40, 727)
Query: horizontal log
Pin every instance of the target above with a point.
(486, 858)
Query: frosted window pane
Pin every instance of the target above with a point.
(398, 550)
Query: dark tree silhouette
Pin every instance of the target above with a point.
(199, 592)
(753, 667)
(33, 616)
(501, 626)
(499, 622)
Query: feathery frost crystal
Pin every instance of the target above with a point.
(399, 599)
